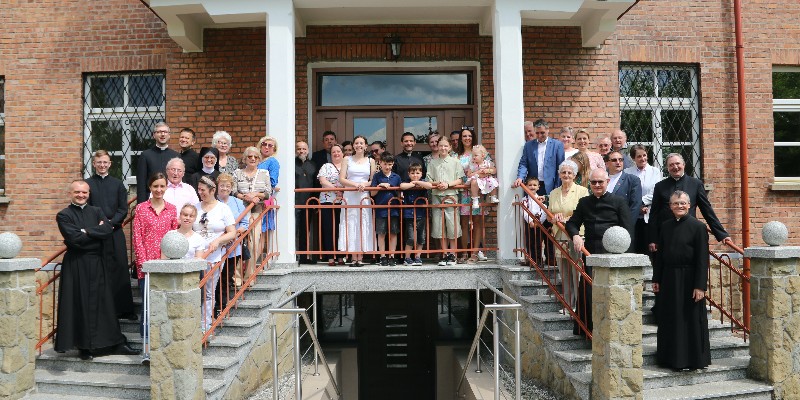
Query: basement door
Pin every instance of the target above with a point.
(396, 351)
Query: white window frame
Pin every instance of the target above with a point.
(123, 114)
(785, 105)
(658, 104)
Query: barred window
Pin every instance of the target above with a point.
(659, 107)
(2, 135)
(786, 122)
(120, 112)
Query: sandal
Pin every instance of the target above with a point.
(472, 260)
(332, 263)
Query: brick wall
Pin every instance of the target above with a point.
(45, 47)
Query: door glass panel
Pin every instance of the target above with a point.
(371, 128)
(394, 89)
(421, 127)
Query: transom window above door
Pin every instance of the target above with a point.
(395, 89)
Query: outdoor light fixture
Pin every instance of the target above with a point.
(394, 43)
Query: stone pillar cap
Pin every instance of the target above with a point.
(19, 264)
(625, 260)
(181, 266)
(773, 252)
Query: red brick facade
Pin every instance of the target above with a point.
(46, 48)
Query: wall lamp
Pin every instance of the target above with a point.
(394, 43)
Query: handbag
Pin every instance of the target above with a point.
(245, 251)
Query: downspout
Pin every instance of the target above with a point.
(743, 166)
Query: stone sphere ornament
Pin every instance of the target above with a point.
(174, 245)
(10, 245)
(775, 233)
(616, 240)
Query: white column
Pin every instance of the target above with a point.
(509, 114)
(281, 114)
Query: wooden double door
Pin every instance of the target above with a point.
(389, 125)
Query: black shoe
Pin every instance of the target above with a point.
(86, 355)
(392, 261)
(384, 261)
(125, 349)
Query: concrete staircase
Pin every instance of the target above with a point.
(725, 378)
(67, 377)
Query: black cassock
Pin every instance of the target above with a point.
(87, 319)
(110, 195)
(681, 265)
(596, 214)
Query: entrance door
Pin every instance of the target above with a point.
(396, 351)
(389, 126)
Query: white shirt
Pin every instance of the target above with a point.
(613, 181)
(649, 176)
(211, 225)
(542, 146)
(179, 195)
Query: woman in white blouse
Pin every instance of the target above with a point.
(329, 179)
(649, 176)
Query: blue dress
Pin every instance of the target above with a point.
(271, 164)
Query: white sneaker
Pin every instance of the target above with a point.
(475, 204)
(494, 199)
(482, 257)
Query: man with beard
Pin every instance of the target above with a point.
(87, 319)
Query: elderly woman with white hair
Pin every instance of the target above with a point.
(222, 142)
(251, 185)
(563, 201)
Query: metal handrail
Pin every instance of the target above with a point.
(725, 263)
(311, 329)
(475, 348)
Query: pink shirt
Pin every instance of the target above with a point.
(148, 230)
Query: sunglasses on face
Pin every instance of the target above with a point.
(597, 182)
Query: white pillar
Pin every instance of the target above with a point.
(509, 114)
(281, 114)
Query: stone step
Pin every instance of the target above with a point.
(214, 367)
(224, 346)
(580, 360)
(237, 326)
(99, 384)
(723, 369)
(52, 396)
(564, 340)
(552, 321)
(729, 390)
(69, 361)
(539, 304)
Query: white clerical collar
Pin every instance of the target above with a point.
(678, 178)
(166, 146)
(79, 205)
(103, 176)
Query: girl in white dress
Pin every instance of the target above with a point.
(355, 230)
(196, 242)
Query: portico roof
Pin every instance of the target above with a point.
(186, 19)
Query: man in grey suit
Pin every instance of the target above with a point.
(541, 158)
(623, 184)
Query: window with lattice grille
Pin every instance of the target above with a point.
(659, 107)
(2, 135)
(786, 122)
(120, 112)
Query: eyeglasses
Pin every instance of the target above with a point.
(679, 203)
(162, 131)
(597, 182)
(471, 128)
(615, 159)
(174, 169)
(253, 156)
(376, 150)
(265, 144)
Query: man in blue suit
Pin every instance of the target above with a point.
(541, 158)
(623, 184)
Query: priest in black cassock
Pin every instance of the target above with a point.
(597, 212)
(87, 319)
(108, 193)
(680, 276)
(153, 160)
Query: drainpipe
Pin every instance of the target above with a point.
(743, 166)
